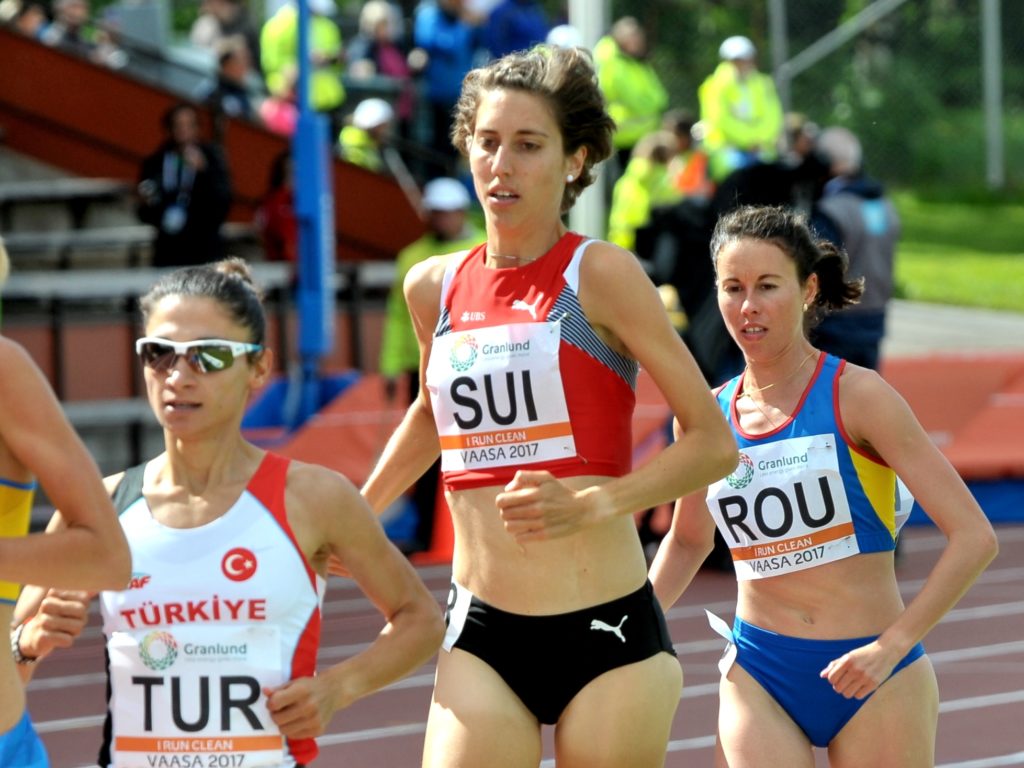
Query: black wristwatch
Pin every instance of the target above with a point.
(19, 657)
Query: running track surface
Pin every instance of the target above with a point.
(978, 653)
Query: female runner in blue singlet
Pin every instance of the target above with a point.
(823, 650)
(37, 445)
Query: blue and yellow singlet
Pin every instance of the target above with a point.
(15, 515)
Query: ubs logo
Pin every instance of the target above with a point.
(743, 474)
(463, 353)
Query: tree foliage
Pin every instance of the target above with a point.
(909, 85)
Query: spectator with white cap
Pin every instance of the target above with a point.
(379, 51)
(362, 141)
(565, 36)
(740, 110)
(446, 204)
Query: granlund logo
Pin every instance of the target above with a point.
(743, 474)
(463, 353)
(158, 650)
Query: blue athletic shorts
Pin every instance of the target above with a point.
(789, 668)
(21, 746)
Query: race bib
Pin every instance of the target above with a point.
(459, 599)
(784, 508)
(728, 657)
(498, 397)
(192, 696)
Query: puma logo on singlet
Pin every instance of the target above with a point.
(531, 308)
(617, 631)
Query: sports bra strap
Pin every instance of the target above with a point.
(129, 489)
(572, 270)
(449, 274)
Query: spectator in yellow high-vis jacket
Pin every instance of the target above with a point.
(740, 110)
(635, 95)
(279, 44)
(645, 185)
(362, 141)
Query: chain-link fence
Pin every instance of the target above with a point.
(910, 83)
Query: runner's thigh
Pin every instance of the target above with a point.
(896, 727)
(476, 720)
(754, 731)
(622, 717)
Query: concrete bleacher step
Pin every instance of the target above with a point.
(118, 432)
(50, 220)
(127, 245)
(64, 201)
(81, 285)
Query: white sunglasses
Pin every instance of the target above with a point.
(202, 355)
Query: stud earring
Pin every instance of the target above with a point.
(569, 178)
(805, 306)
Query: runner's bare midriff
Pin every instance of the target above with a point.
(594, 565)
(853, 597)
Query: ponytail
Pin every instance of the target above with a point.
(835, 291)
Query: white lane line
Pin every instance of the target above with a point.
(935, 540)
(694, 611)
(69, 724)
(993, 576)
(683, 649)
(371, 734)
(1017, 758)
(698, 691)
(67, 681)
(976, 652)
(987, 611)
(981, 702)
(691, 692)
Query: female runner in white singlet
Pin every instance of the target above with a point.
(212, 648)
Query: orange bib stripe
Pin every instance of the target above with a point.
(180, 744)
(795, 544)
(504, 436)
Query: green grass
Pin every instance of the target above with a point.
(966, 254)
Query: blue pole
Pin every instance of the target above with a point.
(314, 208)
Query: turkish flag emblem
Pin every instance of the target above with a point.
(239, 564)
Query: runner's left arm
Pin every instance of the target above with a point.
(882, 423)
(322, 500)
(625, 309)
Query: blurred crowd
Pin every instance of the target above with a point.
(387, 86)
(386, 89)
